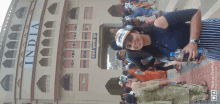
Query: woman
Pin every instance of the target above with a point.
(178, 94)
(146, 75)
(169, 32)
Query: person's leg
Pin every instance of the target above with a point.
(196, 97)
(194, 88)
(165, 68)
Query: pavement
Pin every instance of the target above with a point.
(207, 70)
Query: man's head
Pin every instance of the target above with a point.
(124, 72)
(121, 54)
(132, 67)
(114, 30)
(127, 90)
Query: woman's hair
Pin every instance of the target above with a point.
(114, 45)
(127, 90)
(131, 99)
(131, 66)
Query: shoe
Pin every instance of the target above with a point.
(178, 68)
(182, 82)
(204, 83)
(207, 97)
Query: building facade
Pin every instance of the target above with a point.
(55, 51)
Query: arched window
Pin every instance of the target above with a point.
(9, 63)
(7, 82)
(16, 28)
(53, 8)
(67, 82)
(46, 52)
(71, 35)
(44, 83)
(10, 54)
(12, 44)
(69, 54)
(20, 13)
(45, 61)
(49, 33)
(50, 24)
(47, 42)
(13, 36)
(74, 13)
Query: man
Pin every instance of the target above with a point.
(177, 94)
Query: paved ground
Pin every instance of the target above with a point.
(207, 70)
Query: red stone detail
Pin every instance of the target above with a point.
(21, 64)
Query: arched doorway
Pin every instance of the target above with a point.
(113, 87)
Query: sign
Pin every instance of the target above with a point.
(31, 45)
(94, 45)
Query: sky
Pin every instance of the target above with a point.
(3, 10)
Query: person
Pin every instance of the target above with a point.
(114, 46)
(137, 57)
(147, 75)
(141, 11)
(178, 94)
(169, 32)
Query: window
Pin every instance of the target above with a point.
(10, 54)
(47, 42)
(70, 44)
(71, 35)
(50, 24)
(71, 27)
(12, 45)
(16, 28)
(86, 44)
(46, 52)
(83, 82)
(68, 54)
(73, 53)
(53, 9)
(88, 13)
(45, 61)
(44, 84)
(86, 27)
(74, 13)
(7, 82)
(74, 35)
(84, 64)
(67, 82)
(74, 45)
(68, 63)
(86, 35)
(13, 36)
(85, 54)
(9, 63)
(20, 13)
(49, 33)
(72, 63)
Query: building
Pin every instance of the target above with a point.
(55, 51)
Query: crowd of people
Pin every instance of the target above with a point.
(144, 45)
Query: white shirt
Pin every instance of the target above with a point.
(128, 5)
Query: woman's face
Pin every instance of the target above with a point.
(135, 41)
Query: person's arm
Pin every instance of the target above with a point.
(173, 18)
(136, 6)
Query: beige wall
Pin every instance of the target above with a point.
(97, 92)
